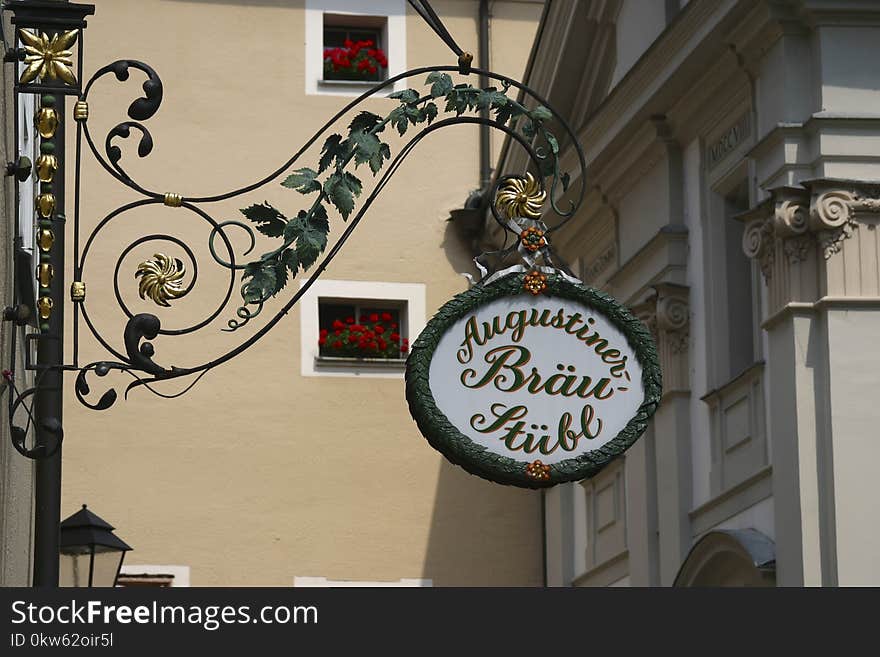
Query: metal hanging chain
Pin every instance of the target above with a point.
(426, 11)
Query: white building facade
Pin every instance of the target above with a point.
(733, 151)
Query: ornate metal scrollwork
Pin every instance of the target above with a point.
(302, 235)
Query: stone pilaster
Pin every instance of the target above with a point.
(667, 314)
(818, 247)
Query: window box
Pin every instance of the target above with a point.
(355, 309)
(378, 363)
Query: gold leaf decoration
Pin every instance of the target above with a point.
(47, 122)
(520, 197)
(48, 58)
(161, 279)
(46, 167)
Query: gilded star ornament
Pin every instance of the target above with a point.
(520, 197)
(48, 58)
(161, 279)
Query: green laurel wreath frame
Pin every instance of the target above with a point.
(476, 459)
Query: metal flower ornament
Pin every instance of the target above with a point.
(521, 197)
(48, 58)
(161, 279)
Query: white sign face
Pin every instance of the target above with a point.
(532, 389)
(536, 378)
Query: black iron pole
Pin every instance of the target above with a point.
(483, 58)
(52, 78)
(48, 399)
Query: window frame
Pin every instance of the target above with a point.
(393, 12)
(410, 297)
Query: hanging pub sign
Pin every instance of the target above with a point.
(533, 379)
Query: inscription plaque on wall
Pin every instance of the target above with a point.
(729, 141)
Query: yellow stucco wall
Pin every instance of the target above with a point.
(258, 474)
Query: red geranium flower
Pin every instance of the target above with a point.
(386, 317)
(395, 337)
(337, 345)
(379, 329)
(355, 60)
(374, 317)
(337, 324)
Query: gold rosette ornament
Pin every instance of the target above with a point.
(535, 282)
(520, 197)
(161, 279)
(48, 58)
(538, 470)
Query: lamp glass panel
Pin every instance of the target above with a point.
(107, 563)
(74, 569)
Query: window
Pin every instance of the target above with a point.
(359, 328)
(734, 295)
(736, 383)
(740, 320)
(28, 146)
(353, 48)
(351, 45)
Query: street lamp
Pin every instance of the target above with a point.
(91, 555)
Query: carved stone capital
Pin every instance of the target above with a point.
(831, 210)
(667, 315)
(791, 217)
(795, 234)
(758, 243)
(672, 311)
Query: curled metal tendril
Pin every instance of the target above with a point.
(102, 368)
(220, 228)
(139, 110)
(52, 430)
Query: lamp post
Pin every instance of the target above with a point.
(91, 554)
(44, 33)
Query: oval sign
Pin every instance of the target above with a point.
(533, 390)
